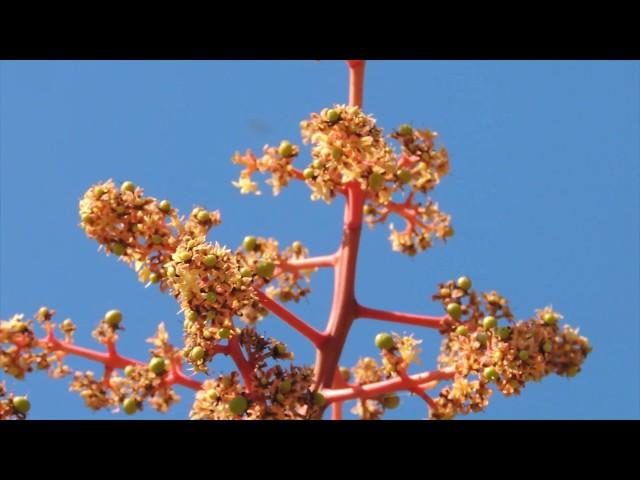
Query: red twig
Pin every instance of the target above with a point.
(386, 386)
(407, 318)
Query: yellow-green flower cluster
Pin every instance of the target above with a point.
(140, 230)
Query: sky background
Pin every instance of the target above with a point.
(543, 191)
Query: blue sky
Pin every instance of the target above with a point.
(543, 192)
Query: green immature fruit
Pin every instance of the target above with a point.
(154, 278)
(284, 387)
(462, 330)
(523, 355)
(118, 248)
(464, 283)
(238, 405)
(245, 272)
(490, 373)
(157, 365)
(211, 297)
(549, 318)
(130, 406)
(156, 239)
(285, 149)
(547, 346)
(192, 316)
(197, 353)
(483, 338)
(265, 269)
(454, 310)
(165, 206)
(319, 399)
(489, 322)
(203, 216)
(129, 370)
(249, 243)
(405, 130)
(308, 174)
(224, 333)
(210, 260)
(390, 402)
(504, 332)
(376, 181)
(212, 394)
(384, 341)
(281, 348)
(21, 405)
(404, 176)
(333, 116)
(127, 187)
(113, 317)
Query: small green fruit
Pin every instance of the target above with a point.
(212, 297)
(285, 149)
(547, 346)
(165, 206)
(549, 318)
(21, 405)
(157, 239)
(157, 365)
(154, 278)
(245, 272)
(384, 341)
(490, 373)
(376, 181)
(504, 332)
(284, 387)
(209, 260)
(405, 130)
(203, 216)
(391, 401)
(482, 337)
(454, 310)
(197, 353)
(462, 330)
(404, 176)
(127, 187)
(118, 248)
(572, 371)
(212, 394)
(265, 269)
(238, 405)
(333, 116)
(308, 173)
(192, 316)
(249, 243)
(113, 317)
(130, 406)
(464, 283)
(224, 333)
(129, 370)
(281, 348)
(319, 399)
(524, 355)
(489, 322)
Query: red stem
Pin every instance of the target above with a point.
(317, 338)
(245, 367)
(408, 318)
(386, 386)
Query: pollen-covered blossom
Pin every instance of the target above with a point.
(140, 230)
(483, 352)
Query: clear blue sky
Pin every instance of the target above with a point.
(543, 192)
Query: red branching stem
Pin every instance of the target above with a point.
(309, 263)
(407, 318)
(316, 337)
(386, 386)
(177, 375)
(110, 359)
(343, 308)
(414, 387)
(244, 366)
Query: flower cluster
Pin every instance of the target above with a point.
(482, 351)
(262, 260)
(140, 230)
(277, 161)
(348, 147)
